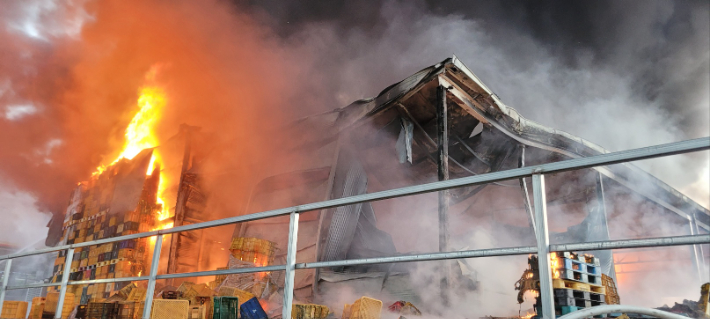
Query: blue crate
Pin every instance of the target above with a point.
(571, 293)
(251, 309)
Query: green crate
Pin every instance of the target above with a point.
(225, 307)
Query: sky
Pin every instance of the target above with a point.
(621, 74)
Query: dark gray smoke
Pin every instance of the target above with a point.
(620, 74)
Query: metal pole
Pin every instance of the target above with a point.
(601, 230)
(695, 251)
(443, 172)
(524, 190)
(5, 278)
(289, 278)
(543, 247)
(65, 279)
(151, 277)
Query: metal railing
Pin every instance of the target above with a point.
(543, 248)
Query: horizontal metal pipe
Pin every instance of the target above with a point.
(423, 257)
(634, 243)
(37, 285)
(222, 272)
(561, 166)
(107, 280)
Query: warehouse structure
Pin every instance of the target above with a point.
(440, 123)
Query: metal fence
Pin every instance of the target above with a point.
(543, 248)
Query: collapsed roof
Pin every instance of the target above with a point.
(470, 102)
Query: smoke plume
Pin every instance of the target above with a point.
(620, 74)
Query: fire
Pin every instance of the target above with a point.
(555, 265)
(140, 134)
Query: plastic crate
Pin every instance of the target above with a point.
(309, 311)
(251, 309)
(13, 309)
(170, 309)
(52, 299)
(200, 312)
(126, 310)
(366, 308)
(37, 308)
(241, 295)
(225, 307)
(102, 310)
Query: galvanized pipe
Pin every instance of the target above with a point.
(68, 258)
(634, 243)
(543, 247)
(422, 257)
(150, 291)
(222, 272)
(289, 278)
(5, 278)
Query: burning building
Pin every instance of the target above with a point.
(442, 122)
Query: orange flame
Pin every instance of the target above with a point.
(140, 134)
(555, 265)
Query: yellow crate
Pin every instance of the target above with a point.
(137, 294)
(37, 308)
(13, 309)
(50, 304)
(567, 284)
(346, 312)
(366, 308)
(185, 287)
(200, 290)
(309, 311)
(170, 309)
(253, 244)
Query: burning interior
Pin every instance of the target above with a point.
(393, 140)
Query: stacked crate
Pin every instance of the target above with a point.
(13, 310)
(89, 218)
(576, 283)
(253, 250)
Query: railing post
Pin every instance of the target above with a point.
(5, 278)
(150, 291)
(68, 258)
(290, 265)
(696, 251)
(543, 247)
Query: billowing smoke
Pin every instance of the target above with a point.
(620, 74)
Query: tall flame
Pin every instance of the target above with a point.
(140, 134)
